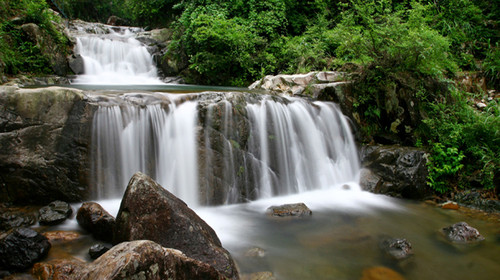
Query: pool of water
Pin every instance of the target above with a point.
(341, 238)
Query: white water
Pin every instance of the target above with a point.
(115, 58)
(156, 141)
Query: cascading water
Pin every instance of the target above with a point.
(113, 56)
(226, 151)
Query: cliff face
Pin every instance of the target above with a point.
(44, 144)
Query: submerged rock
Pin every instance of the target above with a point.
(55, 213)
(462, 233)
(380, 273)
(295, 210)
(397, 248)
(264, 275)
(21, 248)
(61, 235)
(148, 211)
(93, 218)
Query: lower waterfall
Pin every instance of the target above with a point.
(222, 148)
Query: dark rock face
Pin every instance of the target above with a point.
(148, 211)
(21, 248)
(462, 233)
(93, 218)
(395, 170)
(295, 210)
(142, 259)
(44, 144)
(97, 250)
(55, 213)
(396, 248)
(14, 217)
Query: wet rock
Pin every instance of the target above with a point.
(44, 144)
(255, 253)
(148, 211)
(400, 171)
(58, 269)
(14, 217)
(141, 259)
(21, 248)
(295, 210)
(55, 213)
(98, 250)
(61, 235)
(76, 64)
(450, 205)
(462, 233)
(264, 275)
(93, 218)
(474, 199)
(380, 273)
(397, 248)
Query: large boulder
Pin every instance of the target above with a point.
(93, 218)
(148, 211)
(44, 144)
(21, 248)
(395, 170)
(141, 259)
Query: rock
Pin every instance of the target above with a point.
(396, 248)
(49, 47)
(14, 217)
(44, 144)
(21, 248)
(450, 205)
(368, 180)
(97, 250)
(61, 235)
(141, 259)
(380, 273)
(462, 233)
(55, 213)
(295, 210)
(401, 171)
(93, 218)
(481, 105)
(148, 211)
(76, 64)
(58, 269)
(117, 21)
(255, 253)
(264, 275)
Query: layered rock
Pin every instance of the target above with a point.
(44, 144)
(148, 211)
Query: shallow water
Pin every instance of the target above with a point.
(342, 237)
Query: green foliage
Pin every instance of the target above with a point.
(444, 162)
(456, 124)
(17, 52)
(491, 66)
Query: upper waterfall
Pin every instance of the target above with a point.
(113, 56)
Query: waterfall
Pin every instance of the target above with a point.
(156, 139)
(223, 150)
(113, 56)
